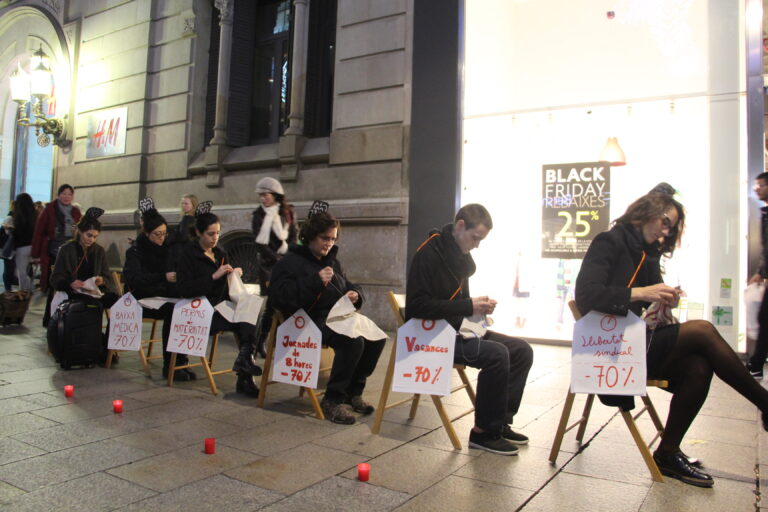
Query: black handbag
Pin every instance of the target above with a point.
(9, 248)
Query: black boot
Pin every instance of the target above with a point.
(261, 349)
(246, 386)
(245, 363)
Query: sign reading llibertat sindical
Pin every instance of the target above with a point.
(107, 132)
(574, 208)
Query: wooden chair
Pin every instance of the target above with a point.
(278, 319)
(397, 302)
(117, 278)
(629, 419)
(206, 362)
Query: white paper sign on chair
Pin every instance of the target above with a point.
(190, 326)
(297, 351)
(125, 324)
(608, 355)
(424, 357)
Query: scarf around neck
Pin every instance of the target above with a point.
(272, 222)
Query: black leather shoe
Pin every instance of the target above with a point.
(245, 364)
(764, 417)
(676, 465)
(178, 375)
(693, 461)
(192, 375)
(246, 386)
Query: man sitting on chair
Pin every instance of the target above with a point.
(438, 288)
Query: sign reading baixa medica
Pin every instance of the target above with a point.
(574, 207)
(298, 343)
(125, 324)
(424, 357)
(608, 355)
(191, 326)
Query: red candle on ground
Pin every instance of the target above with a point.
(363, 471)
(117, 406)
(69, 391)
(210, 445)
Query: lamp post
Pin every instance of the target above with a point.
(36, 87)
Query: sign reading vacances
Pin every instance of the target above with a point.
(574, 207)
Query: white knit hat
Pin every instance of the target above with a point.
(270, 185)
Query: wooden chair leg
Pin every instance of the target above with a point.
(171, 369)
(208, 374)
(151, 337)
(653, 414)
(110, 355)
(561, 427)
(468, 385)
(414, 406)
(446, 422)
(385, 391)
(315, 403)
(644, 451)
(585, 418)
(144, 363)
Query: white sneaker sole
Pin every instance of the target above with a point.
(498, 452)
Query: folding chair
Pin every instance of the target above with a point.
(629, 419)
(206, 362)
(397, 302)
(117, 277)
(278, 319)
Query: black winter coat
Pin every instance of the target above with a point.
(146, 264)
(607, 269)
(194, 274)
(438, 281)
(296, 284)
(268, 252)
(608, 266)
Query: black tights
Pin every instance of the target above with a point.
(699, 352)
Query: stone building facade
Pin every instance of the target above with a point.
(159, 59)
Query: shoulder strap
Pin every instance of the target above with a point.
(642, 259)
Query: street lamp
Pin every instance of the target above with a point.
(36, 87)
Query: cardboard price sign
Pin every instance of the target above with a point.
(125, 324)
(424, 357)
(190, 326)
(297, 351)
(608, 355)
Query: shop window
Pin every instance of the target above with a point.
(260, 71)
(32, 163)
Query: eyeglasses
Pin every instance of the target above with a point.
(667, 223)
(328, 239)
(159, 234)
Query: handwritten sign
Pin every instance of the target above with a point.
(574, 207)
(190, 326)
(608, 355)
(424, 357)
(125, 324)
(297, 351)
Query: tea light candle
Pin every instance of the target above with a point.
(210, 445)
(117, 406)
(363, 471)
(69, 391)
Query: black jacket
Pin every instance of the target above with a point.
(178, 238)
(146, 264)
(607, 269)
(296, 284)
(764, 238)
(194, 274)
(439, 269)
(268, 252)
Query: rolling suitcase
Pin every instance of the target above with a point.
(74, 333)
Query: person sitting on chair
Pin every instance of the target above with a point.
(202, 271)
(81, 259)
(621, 272)
(310, 277)
(438, 288)
(147, 273)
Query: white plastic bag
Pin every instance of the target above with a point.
(753, 297)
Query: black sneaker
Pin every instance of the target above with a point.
(676, 465)
(493, 443)
(359, 405)
(512, 436)
(337, 412)
(756, 373)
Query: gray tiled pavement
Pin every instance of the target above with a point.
(74, 454)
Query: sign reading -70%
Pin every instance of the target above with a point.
(424, 357)
(190, 326)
